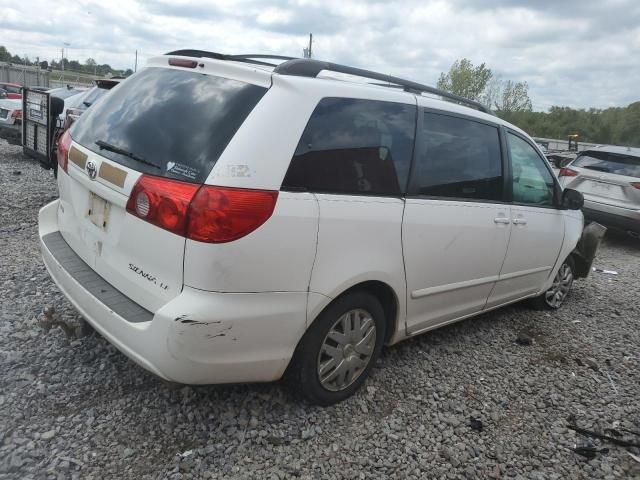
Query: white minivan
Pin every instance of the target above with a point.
(224, 219)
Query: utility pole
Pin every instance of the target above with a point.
(306, 52)
(135, 67)
(67, 44)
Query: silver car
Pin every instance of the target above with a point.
(609, 179)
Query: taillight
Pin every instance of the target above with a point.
(222, 214)
(17, 114)
(636, 185)
(162, 202)
(203, 213)
(567, 172)
(64, 143)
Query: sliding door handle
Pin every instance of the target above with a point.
(519, 221)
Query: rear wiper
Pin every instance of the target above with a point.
(599, 169)
(133, 156)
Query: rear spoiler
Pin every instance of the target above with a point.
(107, 84)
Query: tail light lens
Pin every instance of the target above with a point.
(203, 213)
(17, 114)
(221, 214)
(636, 185)
(567, 172)
(64, 143)
(162, 202)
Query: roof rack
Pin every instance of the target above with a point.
(307, 67)
(246, 58)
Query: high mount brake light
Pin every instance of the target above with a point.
(181, 62)
(64, 143)
(567, 172)
(204, 213)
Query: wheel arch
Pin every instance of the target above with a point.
(384, 292)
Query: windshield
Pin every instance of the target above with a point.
(181, 121)
(618, 164)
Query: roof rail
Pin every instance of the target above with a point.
(306, 67)
(246, 58)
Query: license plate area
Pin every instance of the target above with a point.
(606, 189)
(98, 211)
(3, 113)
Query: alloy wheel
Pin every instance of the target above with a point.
(559, 290)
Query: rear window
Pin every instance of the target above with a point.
(64, 92)
(167, 122)
(10, 88)
(94, 94)
(610, 163)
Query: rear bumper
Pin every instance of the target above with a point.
(612, 216)
(198, 337)
(7, 121)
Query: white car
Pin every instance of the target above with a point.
(70, 95)
(223, 221)
(10, 111)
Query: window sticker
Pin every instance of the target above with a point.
(182, 170)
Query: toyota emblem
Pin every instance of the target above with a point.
(92, 170)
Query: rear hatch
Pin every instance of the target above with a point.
(606, 177)
(160, 133)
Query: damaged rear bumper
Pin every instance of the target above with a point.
(199, 337)
(587, 247)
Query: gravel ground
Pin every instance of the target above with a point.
(76, 408)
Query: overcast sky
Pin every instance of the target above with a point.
(580, 53)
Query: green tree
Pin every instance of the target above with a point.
(512, 97)
(5, 56)
(465, 79)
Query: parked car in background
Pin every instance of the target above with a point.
(3, 93)
(609, 179)
(220, 221)
(10, 111)
(70, 95)
(78, 104)
(14, 90)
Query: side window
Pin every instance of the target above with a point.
(532, 181)
(458, 158)
(351, 146)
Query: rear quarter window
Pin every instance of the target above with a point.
(353, 146)
(606, 162)
(178, 122)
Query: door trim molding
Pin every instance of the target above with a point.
(424, 292)
(522, 273)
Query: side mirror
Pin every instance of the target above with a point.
(57, 106)
(572, 199)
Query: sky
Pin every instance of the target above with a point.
(578, 53)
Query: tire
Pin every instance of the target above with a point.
(334, 357)
(555, 296)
